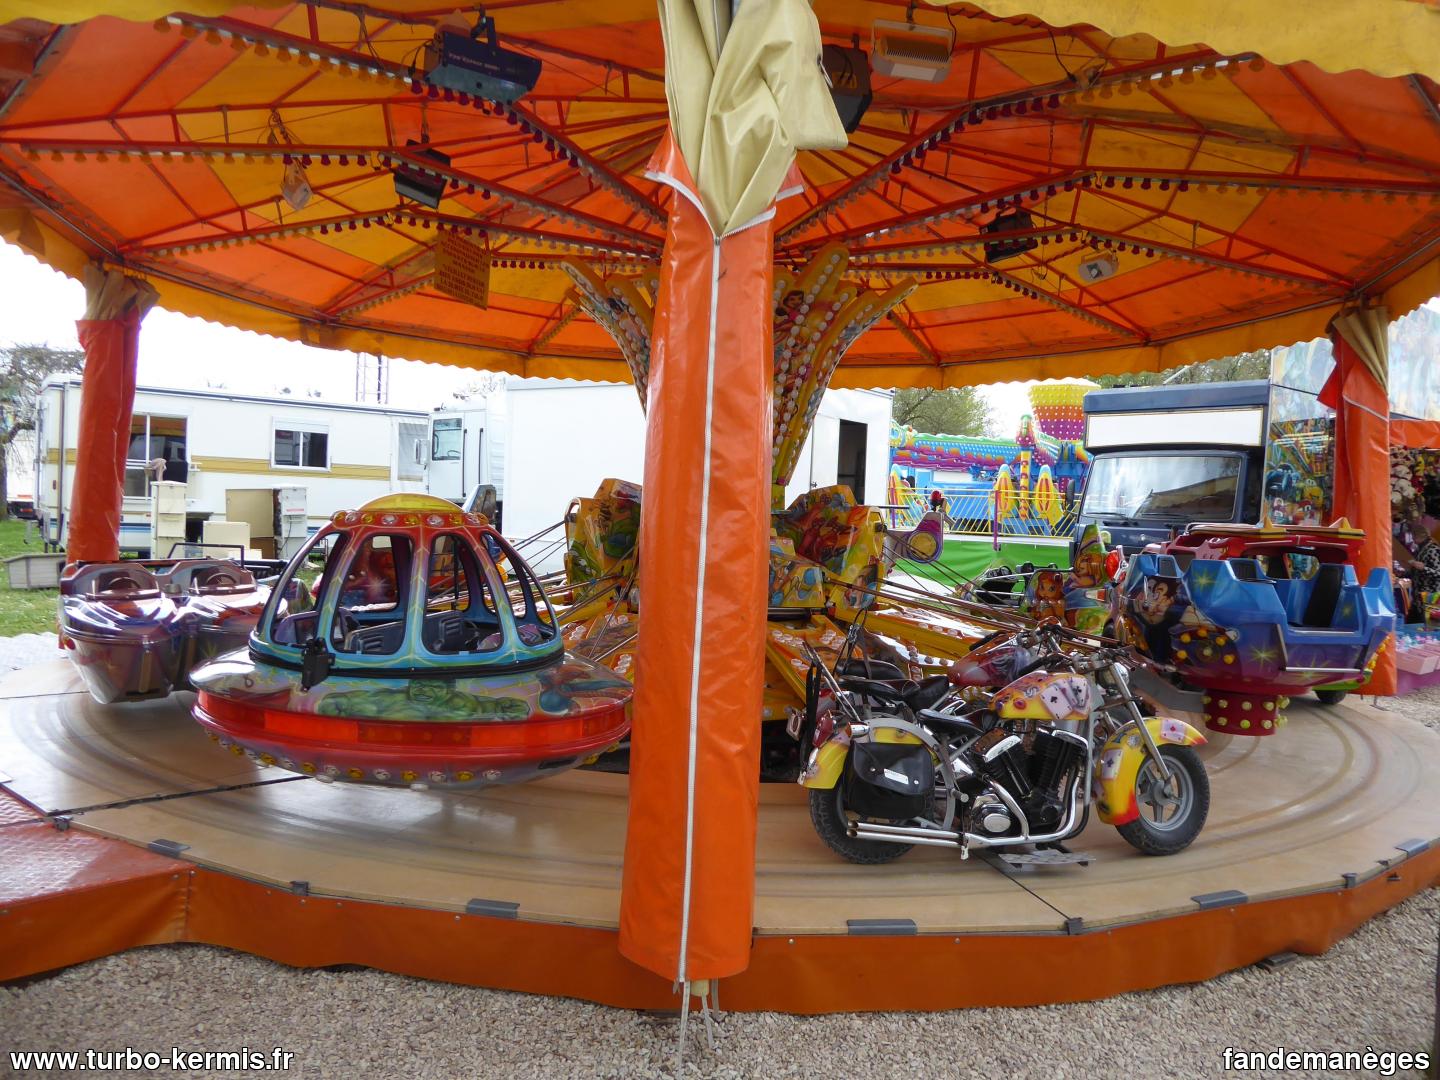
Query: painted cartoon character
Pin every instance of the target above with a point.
(1047, 595)
(823, 535)
(788, 312)
(1083, 608)
(422, 699)
(1155, 611)
(564, 684)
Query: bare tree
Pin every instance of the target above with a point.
(485, 384)
(23, 371)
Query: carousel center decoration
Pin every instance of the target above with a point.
(819, 314)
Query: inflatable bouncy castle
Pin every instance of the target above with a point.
(1025, 482)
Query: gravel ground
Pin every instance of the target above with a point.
(1374, 989)
(22, 650)
(1422, 706)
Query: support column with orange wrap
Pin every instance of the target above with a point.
(1357, 391)
(110, 336)
(745, 90)
(695, 746)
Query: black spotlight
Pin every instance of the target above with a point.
(422, 187)
(848, 73)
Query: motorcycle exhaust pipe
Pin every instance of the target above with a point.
(910, 834)
(864, 830)
(1071, 816)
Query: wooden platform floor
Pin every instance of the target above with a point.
(1339, 797)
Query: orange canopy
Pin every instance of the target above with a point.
(1242, 200)
(1416, 434)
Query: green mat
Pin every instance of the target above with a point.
(965, 557)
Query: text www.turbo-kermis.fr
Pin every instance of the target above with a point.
(173, 1060)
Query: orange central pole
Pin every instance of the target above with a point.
(686, 909)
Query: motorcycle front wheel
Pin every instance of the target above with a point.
(827, 814)
(1170, 817)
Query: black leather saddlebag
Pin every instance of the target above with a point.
(893, 781)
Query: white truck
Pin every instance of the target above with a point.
(215, 442)
(542, 442)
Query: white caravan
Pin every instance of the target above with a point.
(214, 441)
(542, 442)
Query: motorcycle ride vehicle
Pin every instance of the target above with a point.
(894, 763)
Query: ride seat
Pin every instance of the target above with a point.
(958, 724)
(446, 632)
(914, 696)
(865, 668)
(379, 640)
(221, 581)
(1183, 558)
(296, 629)
(1247, 570)
(128, 583)
(1166, 566)
(1325, 592)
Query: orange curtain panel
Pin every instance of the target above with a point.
(110, 335)
(108, 395)
(688, 891)
(1362, 471)
(1414, 433)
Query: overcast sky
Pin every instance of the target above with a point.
(41, 306)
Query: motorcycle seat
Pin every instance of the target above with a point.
(913, 695)
(958, 724)
(877, 670)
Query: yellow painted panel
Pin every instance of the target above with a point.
(337, 470)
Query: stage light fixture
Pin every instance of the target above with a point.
(1003, 247)
(907, 50)
(471, 61)
(424, 188)
(1099, 268)
(847, 70)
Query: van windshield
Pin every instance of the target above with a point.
(1172, 487)
(446, 439)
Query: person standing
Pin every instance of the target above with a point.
(1422, 557)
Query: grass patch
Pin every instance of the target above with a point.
(23, 611)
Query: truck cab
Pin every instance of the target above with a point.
(1166, 457)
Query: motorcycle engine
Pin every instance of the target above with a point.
(1033, 765)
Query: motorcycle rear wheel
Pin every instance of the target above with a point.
(827, 814)
(1175, 819)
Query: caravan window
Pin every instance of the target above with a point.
(409, 455)
(154, 437)
(301, 449)
(445, 442)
